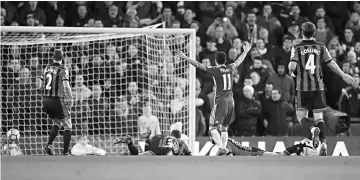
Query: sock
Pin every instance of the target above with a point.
(216, 137)
(67, 139)
(53, 133)
(321, 126)
(311, 131)
(132, 148)
(224, 138)
(255, 149)
(291, 149)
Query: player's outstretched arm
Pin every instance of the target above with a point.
(336, 69)
(191, 61)
(241, 58)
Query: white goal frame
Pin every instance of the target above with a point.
(130, 32)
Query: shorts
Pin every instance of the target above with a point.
(310, 100)
(222, 112)
(57, 110)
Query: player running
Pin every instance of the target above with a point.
(159, 145)
(222, 113)
(57, 99)
(306, 62)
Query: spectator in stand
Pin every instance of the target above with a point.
(208, 11)
(146, 10)
(99, 108)
(147, 121)
(265, 52)
(223, 27)
(348, 42)
(80, 91)
(2, 20)
(357, 50)
(248, 110)
(53, 9)
(349, 101)
(111, 55)
(31, 7)
(210, 50)
(232, 56)
(35, 67)
(9, 11)
(166, 17)
(294, 31)
(176, 24)
(295, 16)
(257, 84)
(30, 21)
(189, 16)
(231, 16)
(354, 24)
(237, 44)
(335, 44)
(275, 113)
(199, 48)
(263, 98)
(10, 72)
(134, 98)
(283, 53)
(322, 34)
(98, 23)
(59, 21)
(200, 104)
(249, 32)
(112, 17)
(262, 70)
(284, 83)
(199, 32)
(81, 18)
(354, 64)
(321, 13)
(123, 116)
(207, 80)
(271, 23)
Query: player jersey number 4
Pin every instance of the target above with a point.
(309, 56)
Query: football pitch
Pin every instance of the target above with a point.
(179, 168)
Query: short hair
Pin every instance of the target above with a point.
(288, 38)
(308, 29)
(220, 57)
(281, 63)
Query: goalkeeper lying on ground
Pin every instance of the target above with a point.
(159, 145)
(304, 148)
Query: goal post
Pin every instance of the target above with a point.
(114, 73)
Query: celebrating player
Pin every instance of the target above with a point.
(57, 99)
(223, 111)
(306, 62)
(159, 145)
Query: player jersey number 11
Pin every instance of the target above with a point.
(227, 81)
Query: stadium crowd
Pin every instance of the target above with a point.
(106, 78)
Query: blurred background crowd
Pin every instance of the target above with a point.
(110, 83)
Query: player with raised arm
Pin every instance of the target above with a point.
(57, 100)
(306, 62)
(223, 111)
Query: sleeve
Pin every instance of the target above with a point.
(294, 55)
(65, 75)
(326, 55)
(213, 70)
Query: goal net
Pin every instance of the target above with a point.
(114, 73)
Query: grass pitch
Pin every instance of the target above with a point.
(179, 168)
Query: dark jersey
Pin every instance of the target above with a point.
(310, 56)
(223, 80)
(53, 77)
(159, 144)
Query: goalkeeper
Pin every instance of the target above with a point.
(159, 145)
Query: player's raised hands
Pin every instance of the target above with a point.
(180, 54)
(246, 46)
(348, 79)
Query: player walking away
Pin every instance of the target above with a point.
(159, 145)
(222, 113)
(306, 62)
(57, 99)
